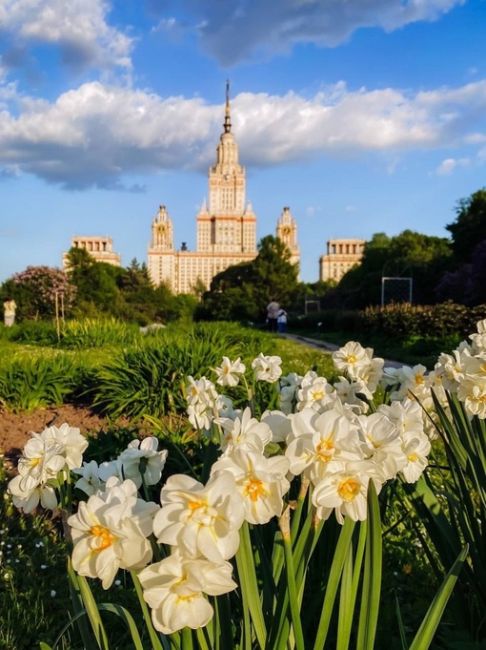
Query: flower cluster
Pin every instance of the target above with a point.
(462, 373)
(323, 433)
(46, 457)
(141, 462)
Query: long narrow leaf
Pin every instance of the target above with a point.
(370, 598)
(426, 631)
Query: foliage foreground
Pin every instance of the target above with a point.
(272, 536)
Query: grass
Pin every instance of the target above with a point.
(411, 351)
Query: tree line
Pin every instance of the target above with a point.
(441, 268)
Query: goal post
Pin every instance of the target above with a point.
(396, 289)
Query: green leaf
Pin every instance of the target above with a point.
(370, 595)
(426, 631)
(338, 560)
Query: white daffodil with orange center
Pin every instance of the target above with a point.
(351, 358)
(319, 441)
(230, 372)
(316, 394)
(201, 520)
(416, 448)
(176, 590)
(345, 492)
(260, 481)
(110, 531)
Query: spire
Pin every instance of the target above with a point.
(227, 115)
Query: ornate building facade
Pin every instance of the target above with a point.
(226, 226)
(100, 248)
(342, 255)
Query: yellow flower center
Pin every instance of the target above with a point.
(325, 450)
(105, 538)
(351, 358)
(349, 489)
(254, 489)
(33, 462)
(195, 505)
(413, 458)
(318, 394)
(419, 379)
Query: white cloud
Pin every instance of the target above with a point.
(78, 27)
(449, 165)
(232, 31)
(96, 134)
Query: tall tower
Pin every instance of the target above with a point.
(161, 258)
(287, 233)
(226, 224)
(162, 236)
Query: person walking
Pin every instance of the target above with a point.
(282, 321)
(9, 308)
(272, 314)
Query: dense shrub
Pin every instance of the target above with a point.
(400, 321)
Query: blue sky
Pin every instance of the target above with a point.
(361, 115)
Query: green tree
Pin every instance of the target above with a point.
(241, 292)
(425, 258)
(469, 228)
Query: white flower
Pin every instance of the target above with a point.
(175, 589)
(319, 441)
(71, 440)
(315, 392)
(288, 391)
(472, 391)
(90, 481)
(350, 358)
(416, 448)
(267, 368)
(261, 482)
(27, 494)
(202, 400)
(349, 393)
(200, 520)
(142, 462)
(279, 424)
(109, 468)
(229, 372)
(42, 459)
(200, 391)
(345, 492)
(110, 531)
(382, 444)
(244, 431)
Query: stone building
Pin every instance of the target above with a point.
(226, 226)
(100, 248)
(342, 255)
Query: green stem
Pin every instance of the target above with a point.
(154, 639)
(292, 588)
(187, 643)
(249, 583)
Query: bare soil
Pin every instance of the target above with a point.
(17, 428)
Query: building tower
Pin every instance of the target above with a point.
(161, 260)
(226, 224)
(287, 233)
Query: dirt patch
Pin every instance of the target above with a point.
(16, 428)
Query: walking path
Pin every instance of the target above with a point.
(331, 347)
